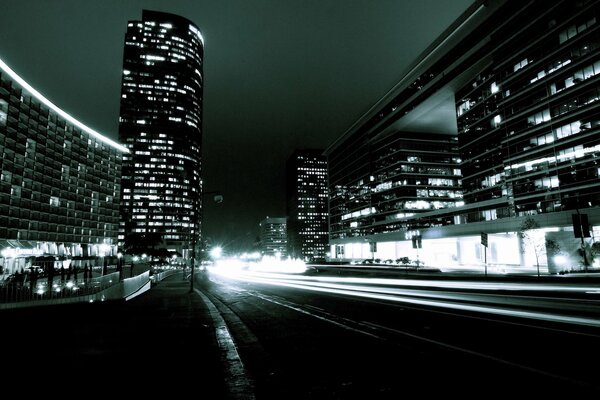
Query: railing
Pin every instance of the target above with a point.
(44, 292)
(159, 276)
(56, 288)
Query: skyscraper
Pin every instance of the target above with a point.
(273, 237)
(306, 198)
(161, 124)
(510, 90)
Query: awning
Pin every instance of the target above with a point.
(17, 244)
(18, 248)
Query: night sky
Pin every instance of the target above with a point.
(279, 75)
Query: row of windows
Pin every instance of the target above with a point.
(9, 233)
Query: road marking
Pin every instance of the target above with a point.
(237, 381)
(433, 301)
(373, 326)
(314, 308)
(301, 310)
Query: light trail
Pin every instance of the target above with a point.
(239, 273)
(381, 289)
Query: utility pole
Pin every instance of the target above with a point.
(484, 243)
(193, 256)
(217, 198)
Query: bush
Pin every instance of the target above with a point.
(403, 260)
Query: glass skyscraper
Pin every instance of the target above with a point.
(514, 87)
(161, 124)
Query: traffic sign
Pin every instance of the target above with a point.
(484, 239)
(581, 225)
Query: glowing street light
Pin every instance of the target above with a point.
(216, 252)
(217, 198)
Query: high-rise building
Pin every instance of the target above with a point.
(273, 237)
(306, 200)
(59, 184)
(161, 124)
(514, 86)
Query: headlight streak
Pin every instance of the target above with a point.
(515, 301)
(561, 287)
(399, 295)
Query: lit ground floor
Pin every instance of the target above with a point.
(551, 246)
(22, 256)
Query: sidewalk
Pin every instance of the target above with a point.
(161, 342)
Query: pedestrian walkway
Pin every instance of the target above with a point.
(161, 342)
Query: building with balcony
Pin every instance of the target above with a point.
(59, 183)
(507, 98)
(161, 125)
(306, 201)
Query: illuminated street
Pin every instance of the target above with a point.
(558, 302)
(256, 335)
(300, 200)
(517, 333)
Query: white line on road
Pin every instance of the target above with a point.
(372, 326)
(301, 310)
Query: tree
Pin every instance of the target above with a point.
(138, 243)
(588, 253)
(533, 238)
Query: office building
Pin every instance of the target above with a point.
(515, 85)
(161, 124)
(306, 200)
(59, 183)
(273, 237)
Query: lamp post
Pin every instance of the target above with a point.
(217, 198)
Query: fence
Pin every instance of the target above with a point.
(47, 291)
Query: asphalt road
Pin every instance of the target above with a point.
(244, 339)
(309, 343)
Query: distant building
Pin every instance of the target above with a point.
(161, 124)
(306, 198)
(59, 183)
(273, 237)
(514, 88)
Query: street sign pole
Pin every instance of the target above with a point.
(484, 242)
(485, 259)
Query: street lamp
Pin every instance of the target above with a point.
(217, 198)
(120, 265)
(216, 252)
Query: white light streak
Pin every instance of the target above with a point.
(414, 292)
(60, 112)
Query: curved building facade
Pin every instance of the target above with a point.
(59, 184)
(161, 124)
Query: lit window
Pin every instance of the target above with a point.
(3, 112)
(496, 121)
(494, 88)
